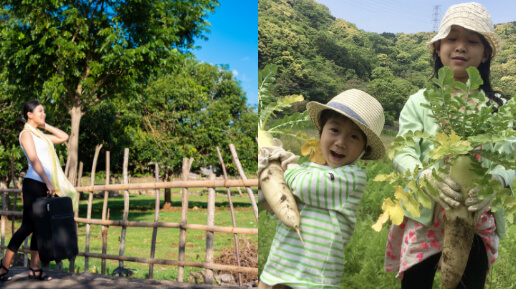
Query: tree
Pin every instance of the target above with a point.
(191, 112)
(75, 54)
(8, 140)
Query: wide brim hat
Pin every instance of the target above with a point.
(471, 16)
(361, 108)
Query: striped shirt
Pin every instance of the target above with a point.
(328, 199)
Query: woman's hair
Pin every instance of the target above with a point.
(485, 70)
(29, 106)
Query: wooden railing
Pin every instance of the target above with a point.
(211, 183)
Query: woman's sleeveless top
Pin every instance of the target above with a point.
(42, 152)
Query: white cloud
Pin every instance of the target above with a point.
(235, 72)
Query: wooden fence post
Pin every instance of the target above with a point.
(187, 164)
(126, 212)
(104, 217)
(235, 236)
(242, 175)
(90, 202)
(13, 219)
(4, 218)
(209, 234)
(156, 219)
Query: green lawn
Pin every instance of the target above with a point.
(138, 240)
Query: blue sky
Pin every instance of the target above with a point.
(233, 40)
(408, 16)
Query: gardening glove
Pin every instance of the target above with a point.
(273, 153)
(477, 205)
(449, 190)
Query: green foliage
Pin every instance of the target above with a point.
(190, 113)
(319, 56)
(269, 106)
(9, 144)
(77, 54)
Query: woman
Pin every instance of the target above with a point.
(38, 182)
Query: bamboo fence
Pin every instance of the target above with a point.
(211, 183)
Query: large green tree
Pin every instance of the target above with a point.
(191, 112)
(75, 54)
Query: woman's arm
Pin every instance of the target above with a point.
(30, 150)
(57, 136)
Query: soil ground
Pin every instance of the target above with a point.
(67, 280)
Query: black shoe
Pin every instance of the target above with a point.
(39, 275)
(4, 276)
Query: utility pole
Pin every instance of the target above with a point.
(435, 16)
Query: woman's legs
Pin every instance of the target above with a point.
(475, 274)
(421, 275)
(32, 190)
(6, 263)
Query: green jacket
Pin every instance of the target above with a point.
(415, 117)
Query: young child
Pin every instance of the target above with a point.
(466, 38)
(328, 195)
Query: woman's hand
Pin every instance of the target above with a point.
(57, 136)
(51, 190)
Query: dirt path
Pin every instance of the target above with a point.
(90, 281)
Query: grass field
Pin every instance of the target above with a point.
(364, 254)
(138, 240)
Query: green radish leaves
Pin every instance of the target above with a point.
(469, 128)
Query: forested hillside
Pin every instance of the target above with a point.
(319, 55)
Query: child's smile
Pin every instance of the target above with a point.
(342, 142)
(461, 49)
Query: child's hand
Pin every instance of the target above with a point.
(275, 153)
(449, 190)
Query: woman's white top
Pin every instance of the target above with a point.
(43, 155)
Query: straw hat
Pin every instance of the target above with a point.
(361, 108)
(472, 16)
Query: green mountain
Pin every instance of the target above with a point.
(319, 55)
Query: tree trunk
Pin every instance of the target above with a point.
(73, 145)
(168, 197)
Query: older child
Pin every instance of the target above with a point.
(328, 195)
(466, 38)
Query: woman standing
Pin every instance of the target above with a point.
(41, 180)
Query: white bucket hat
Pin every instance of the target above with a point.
(361, 108)
(471, 16)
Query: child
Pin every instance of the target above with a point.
(328, 195)
(466, 38)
